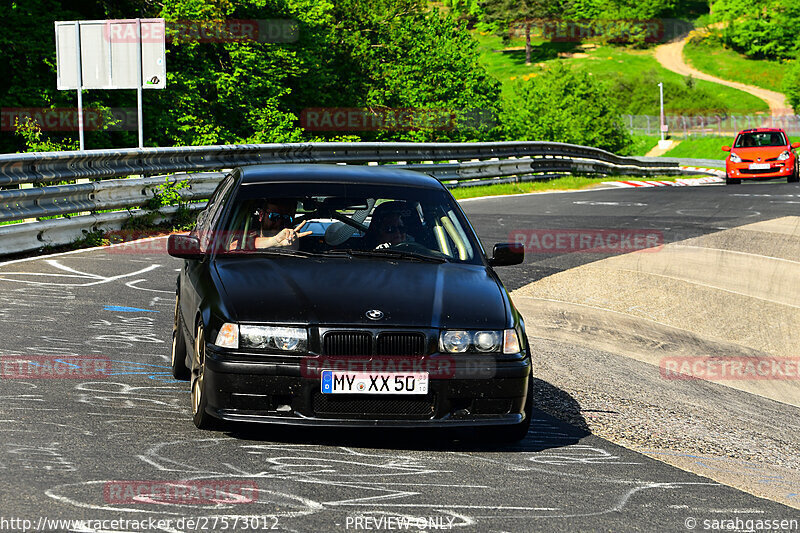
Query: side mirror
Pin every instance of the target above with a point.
(728, 148)
(506, 254)
(184, 247)
(795, 145)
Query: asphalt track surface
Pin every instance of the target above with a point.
(66, 442)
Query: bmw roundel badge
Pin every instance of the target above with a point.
(374, 314)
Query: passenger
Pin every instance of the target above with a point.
(275, 226)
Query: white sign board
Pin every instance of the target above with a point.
(109, 54)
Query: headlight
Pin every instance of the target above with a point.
(784, 156)
(735, 158)
(455, 341)
(486, 341)
(273, 338)
(460, 341)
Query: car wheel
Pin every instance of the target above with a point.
(179, 369)
(201, 418)
(795, 177)
(732, 181)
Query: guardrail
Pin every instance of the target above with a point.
(27, 195)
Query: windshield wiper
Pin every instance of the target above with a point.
(392, 254)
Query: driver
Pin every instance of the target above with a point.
(387, 227)
(391, 230)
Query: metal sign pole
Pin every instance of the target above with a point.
(80, 84)
(661, 93)
(139, 78)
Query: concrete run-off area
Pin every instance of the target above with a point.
(701, 339)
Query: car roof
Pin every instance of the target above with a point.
(762, 130)
(357, 174)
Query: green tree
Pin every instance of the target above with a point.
(398, 54)
(620, 21)
(564, 105)
(371, 53)
(763, 29)
(791, 86)
(511, 15)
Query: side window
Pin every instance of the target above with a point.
(207, 219)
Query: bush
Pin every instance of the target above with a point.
(35, 141)
(638, 95)
(791, 86)
(564, 105)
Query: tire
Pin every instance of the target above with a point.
(795, 177)
(733, 181)
(200, 417)
(178, 359)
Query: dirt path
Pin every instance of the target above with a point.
(670, 56)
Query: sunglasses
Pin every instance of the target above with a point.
(272, 217)
(391, 229)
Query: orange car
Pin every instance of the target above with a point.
(761, 153)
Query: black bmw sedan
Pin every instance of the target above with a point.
(346, 296)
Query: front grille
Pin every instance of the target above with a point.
(384, 407)
(347, 343)
(401, 344)
(363, 343)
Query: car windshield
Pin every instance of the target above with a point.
(758, 139)
(347, 220)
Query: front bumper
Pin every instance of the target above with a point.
(779, 169)
(280, 393)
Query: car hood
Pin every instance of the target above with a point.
(340, 291)
(764, 152)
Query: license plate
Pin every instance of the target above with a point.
(759, 166)
(338, 382)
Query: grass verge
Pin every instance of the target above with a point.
(700, 148)
(642, 144)
(727, 64)
(506, 63)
